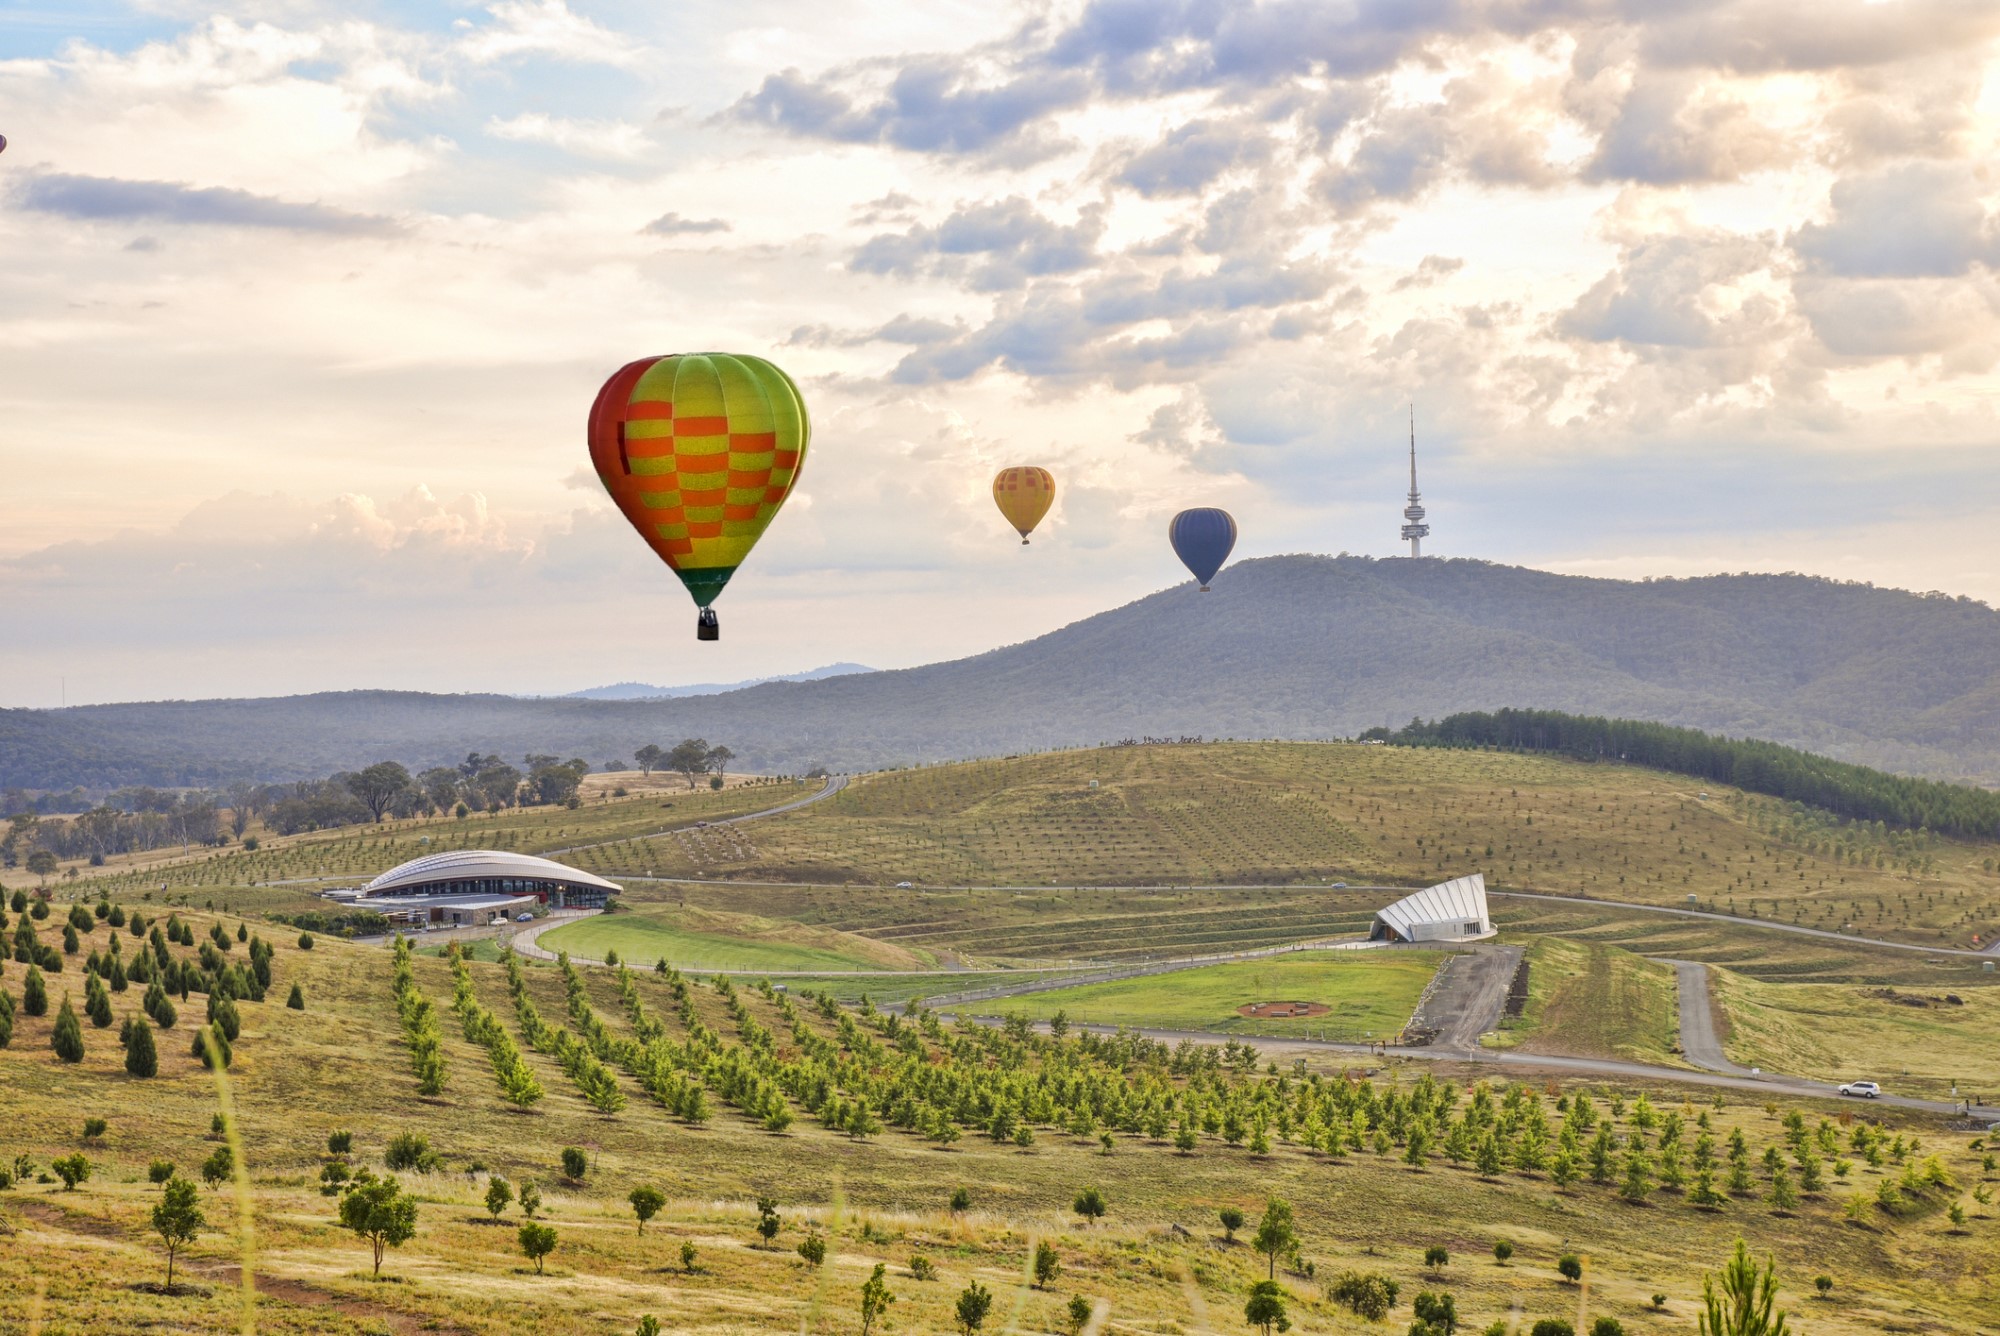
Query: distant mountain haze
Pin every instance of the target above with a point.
(1294, 647)
(642, 691)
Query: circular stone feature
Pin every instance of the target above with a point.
(1278, 1011)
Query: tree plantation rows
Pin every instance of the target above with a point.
(563, 1146)
(860, 1073)
(1854, 792)
(152, 971)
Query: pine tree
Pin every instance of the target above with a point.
(1602, 1148)
(1564, 1168)
(142, 1058)
(1784, 1197)
(68, 1038)
(1746, 1304)
(97, 1001)
(1638, 1175)
(297, 1000)
(208, 1036)
(35, 992)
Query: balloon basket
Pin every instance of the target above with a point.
(707, 626)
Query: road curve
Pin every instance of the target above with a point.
(1737, 921)
(1734, 920)
(833, 785)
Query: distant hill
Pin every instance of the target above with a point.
(1299, 646)
(642, 691)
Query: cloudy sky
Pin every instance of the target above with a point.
(305, 301)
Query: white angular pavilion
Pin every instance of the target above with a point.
(1451, 911)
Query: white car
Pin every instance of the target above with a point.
(1862, 1089)
(903, 886)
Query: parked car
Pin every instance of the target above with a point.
(524, 917)
(1862, 1089)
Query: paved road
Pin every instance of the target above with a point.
(527, 941)
(1739, 922)
(1271, 1048)
(1699, 1042)
(1733, 920)
(834, 784)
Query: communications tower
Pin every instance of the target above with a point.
(1414, 528)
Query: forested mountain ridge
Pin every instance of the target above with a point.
(1296, 646)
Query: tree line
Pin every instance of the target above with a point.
(1855, 792)
(136, 819)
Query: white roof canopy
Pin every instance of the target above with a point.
(1455, 908)
(475, 864)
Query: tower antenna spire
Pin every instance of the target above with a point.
(1414, 528)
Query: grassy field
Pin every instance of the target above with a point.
(1371, 993)
(694, 938)
(1842, 1032)
(1322, 812)
(1589, 999)
(1297, 815)
(72, 1260)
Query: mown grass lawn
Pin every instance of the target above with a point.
(1370, 993)
(695, 940)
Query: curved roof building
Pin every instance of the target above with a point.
(1451, 911)
(477, 886)
(480, 868)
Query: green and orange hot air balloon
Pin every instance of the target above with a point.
(1024, 494)
(699, 450)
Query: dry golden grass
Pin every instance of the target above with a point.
(1845, 1032)
(72, 1258)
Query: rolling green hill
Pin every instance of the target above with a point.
(1299, 647)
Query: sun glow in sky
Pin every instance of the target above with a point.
(305, 303)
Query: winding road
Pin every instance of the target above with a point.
(1465, 1006)
(1285, 1048)
(834, 784)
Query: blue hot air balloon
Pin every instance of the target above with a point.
(1202, 539)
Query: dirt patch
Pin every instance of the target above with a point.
(1915, 999)
(177, 1290)
(1279, 1011)
(48, 1213)
(305, 1295)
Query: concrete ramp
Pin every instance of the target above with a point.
(1467, 996)
(1700, 1044)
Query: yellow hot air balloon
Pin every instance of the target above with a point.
(1024, 495)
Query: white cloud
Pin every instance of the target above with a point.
(1172, 250)
(546, 28)
(602, 139)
